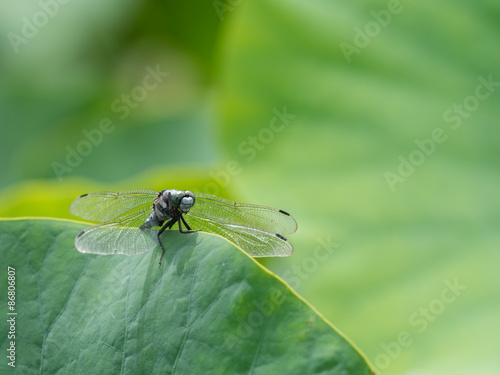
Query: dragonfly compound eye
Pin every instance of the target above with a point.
(187, 202)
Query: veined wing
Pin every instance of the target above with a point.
(120, 236)
(254, 241)
(224, 211)
(105, 206)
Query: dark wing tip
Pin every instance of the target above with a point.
(79, 234)
(284, 212)
(281, 237)
(83, 195)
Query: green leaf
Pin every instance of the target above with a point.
(208, 309)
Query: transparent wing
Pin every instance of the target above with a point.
(105, 206)
(254, 241)
(224, 211)
(120, 236)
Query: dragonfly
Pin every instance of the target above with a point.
(131, 222)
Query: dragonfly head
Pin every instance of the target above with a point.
(182, 199)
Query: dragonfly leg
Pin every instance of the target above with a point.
(189, 230)
(167, 225)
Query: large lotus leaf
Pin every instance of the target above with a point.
(209, 309)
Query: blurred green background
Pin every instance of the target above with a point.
(374, 123)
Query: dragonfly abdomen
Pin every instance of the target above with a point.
(152, 221)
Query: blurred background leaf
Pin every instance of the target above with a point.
(261, 103)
